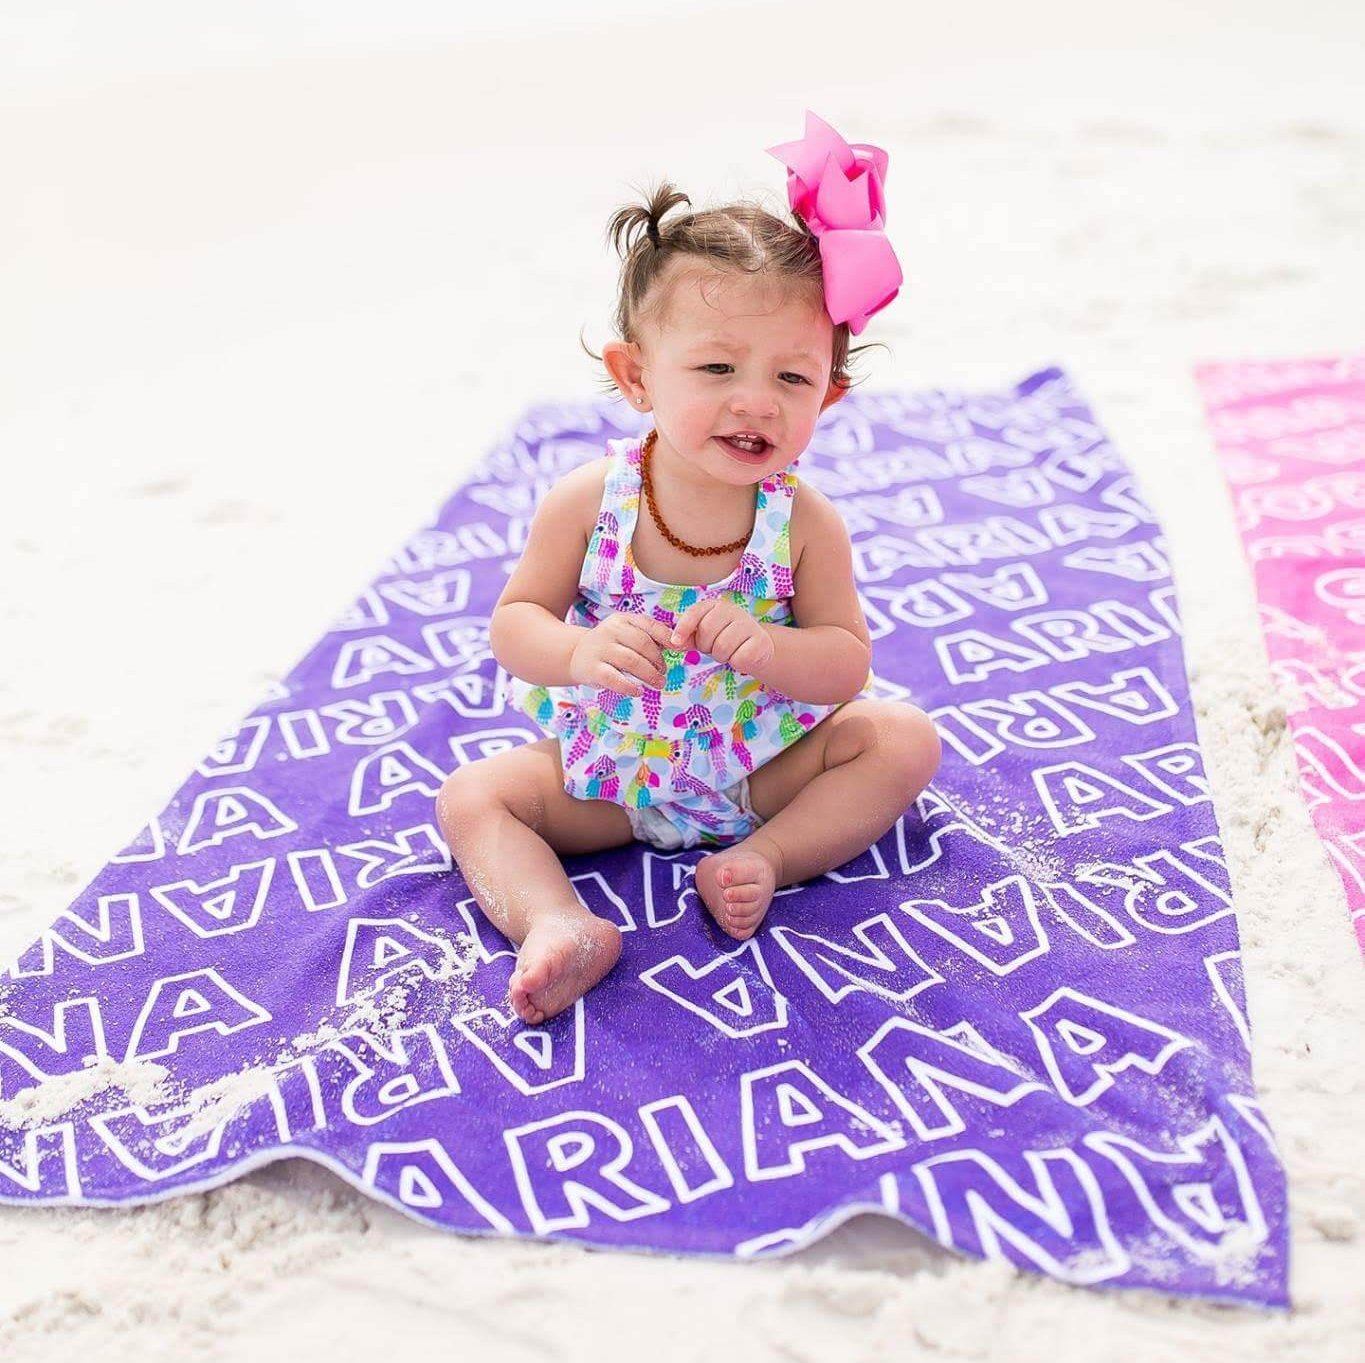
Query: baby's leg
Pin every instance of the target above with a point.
(824, 800)
(506, 819)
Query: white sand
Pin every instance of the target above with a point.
(251, 303)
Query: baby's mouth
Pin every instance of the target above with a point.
(746, 447)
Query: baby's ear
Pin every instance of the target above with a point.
(832, 395)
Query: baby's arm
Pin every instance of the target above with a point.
(826, 659)
(527, 632)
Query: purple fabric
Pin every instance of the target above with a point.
(1016, 1022)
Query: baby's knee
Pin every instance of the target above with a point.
(460, 803)
(914, 740)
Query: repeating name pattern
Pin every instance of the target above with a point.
(1291, 436)
(1016, 1022)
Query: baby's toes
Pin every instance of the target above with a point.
(739, 895)
(742, 913)
(743, 928)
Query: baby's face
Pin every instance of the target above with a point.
(735, 353)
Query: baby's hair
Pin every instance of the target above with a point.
(743, 237)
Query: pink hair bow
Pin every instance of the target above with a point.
(836, 189)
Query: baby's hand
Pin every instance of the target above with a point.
(727, 632)
(621, 652)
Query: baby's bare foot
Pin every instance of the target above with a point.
(561, 958)
(737, 886)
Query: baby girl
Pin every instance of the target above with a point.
(702, 669)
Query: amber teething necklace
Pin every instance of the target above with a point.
(646, 450)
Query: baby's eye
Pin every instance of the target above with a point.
(718, 365)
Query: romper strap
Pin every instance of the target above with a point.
(601, 572)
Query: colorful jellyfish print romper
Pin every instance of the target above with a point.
(678, 758)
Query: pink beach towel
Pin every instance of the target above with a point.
(1291, 435)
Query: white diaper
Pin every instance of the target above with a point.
(726, 817)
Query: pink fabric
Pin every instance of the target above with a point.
(837, 189)
(1291, 435)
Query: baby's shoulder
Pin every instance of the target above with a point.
(586, 484)
(588, 475)
(813, 518)
(577, 494)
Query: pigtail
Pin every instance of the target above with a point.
(635, 223)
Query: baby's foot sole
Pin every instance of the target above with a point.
(737, 886)
(561, 958)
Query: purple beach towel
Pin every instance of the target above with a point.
(1016, 1022)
